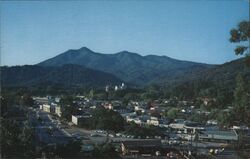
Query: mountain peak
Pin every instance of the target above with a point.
(129, 66)
(124, 51)
(85, 49)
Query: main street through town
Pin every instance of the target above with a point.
(46, 128)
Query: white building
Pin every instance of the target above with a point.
(136, 120)
(77, 119)
(153, 121)
(57, 99)
(123, 86)
(58, 111)
(116, 88)
(139, 108)
(48, 108)
(41, 100)
(107, 88)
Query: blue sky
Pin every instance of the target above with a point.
(194, 30)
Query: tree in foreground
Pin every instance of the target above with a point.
(241, 35)
(68, 107)
(106, 150)
(108, 120)
(241, 100)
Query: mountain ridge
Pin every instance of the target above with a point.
(87, 50)
(128, 66)
(67, 75)
(99, 70)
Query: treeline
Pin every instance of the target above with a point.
(17, 135)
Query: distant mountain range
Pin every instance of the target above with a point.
(84, 67)
(130, 67)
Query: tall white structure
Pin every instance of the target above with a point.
(116, 88)
(107, 88)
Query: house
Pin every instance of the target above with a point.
(139, 147)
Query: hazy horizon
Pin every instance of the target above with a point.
(198, 31)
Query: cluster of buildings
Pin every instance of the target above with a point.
(142, 114)
(145, 114)
(49, 104)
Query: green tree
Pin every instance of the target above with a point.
(142, 132)
(241, 100)
(16, 142)
(91, 93)
(241, 35)
(4, 107)
(225, 118)
(68, 108)
(108, 120)
(172, 113)
(10, 145)
(27, 137)
(106, 150)
(70, 150)
(27, 100)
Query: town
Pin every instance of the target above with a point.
(162, 128)
(125, 80)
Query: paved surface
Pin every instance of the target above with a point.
(46, 128)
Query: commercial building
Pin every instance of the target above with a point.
(136, 147)
(228, 136)
(48, 108)
(78, 119)
(58, 111)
